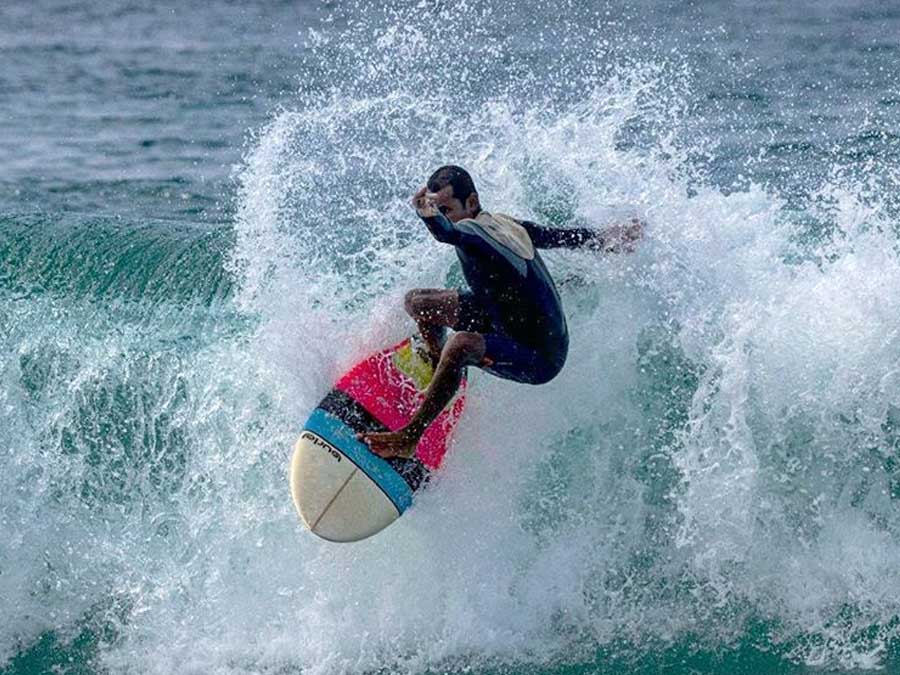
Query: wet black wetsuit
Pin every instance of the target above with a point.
(513, 301)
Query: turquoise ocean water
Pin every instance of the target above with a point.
(203, 219)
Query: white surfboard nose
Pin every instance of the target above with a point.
(334, 498)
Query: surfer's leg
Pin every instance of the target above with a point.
(436, 309)
(433, 310)
(462, 349)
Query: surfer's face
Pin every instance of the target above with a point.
(452, 207)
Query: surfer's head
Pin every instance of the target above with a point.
(457, 197)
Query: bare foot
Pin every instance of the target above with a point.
(391, 443)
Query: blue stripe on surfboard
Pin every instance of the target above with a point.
(344, 439)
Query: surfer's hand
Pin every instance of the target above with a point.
(423, 203)
(389, 444)
(621, 238)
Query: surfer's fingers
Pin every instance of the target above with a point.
(419, 196)
(636, 229)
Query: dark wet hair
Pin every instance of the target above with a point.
(455, 176)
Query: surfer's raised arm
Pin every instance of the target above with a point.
(426, 205)
(612, 239)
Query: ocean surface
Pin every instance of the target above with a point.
(204, 219)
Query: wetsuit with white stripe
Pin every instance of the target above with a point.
(513, 301)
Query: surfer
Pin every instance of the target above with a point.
(511, 322)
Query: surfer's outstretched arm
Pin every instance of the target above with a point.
(612, 239)
(463, 349)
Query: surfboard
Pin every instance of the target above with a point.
(342, 491)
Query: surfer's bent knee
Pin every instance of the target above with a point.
(411, 301)
(464, 348)
(419, 301)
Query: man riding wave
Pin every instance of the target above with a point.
(511, 322)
